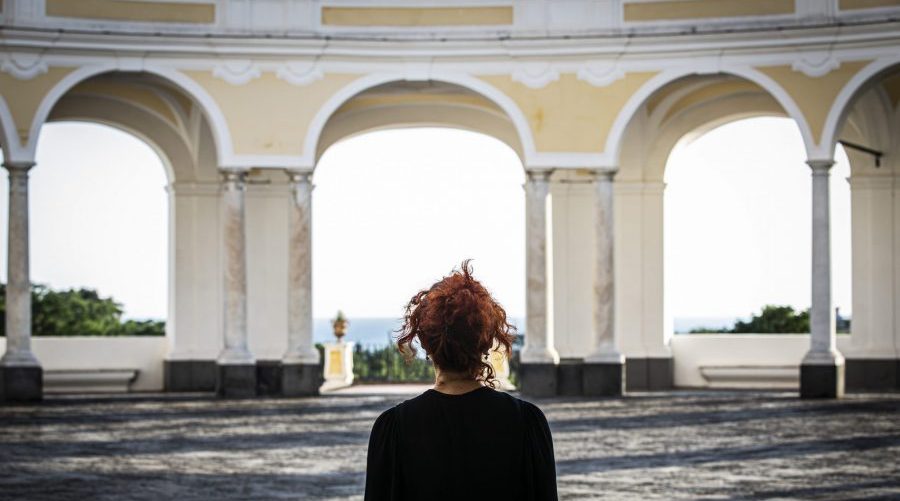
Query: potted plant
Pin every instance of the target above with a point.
(339, 324)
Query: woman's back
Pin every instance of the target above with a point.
(483, 444)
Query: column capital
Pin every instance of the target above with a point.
(234, 179)
(604, 173)
(299, 176)
(18, 167)
(820, 166)
(538, 175)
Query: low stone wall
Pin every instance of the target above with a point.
(102, 354)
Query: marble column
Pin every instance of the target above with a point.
(301, 373)
(236, 365)
(21, 376)
(604, 367)
(539, 358)
(822, 369)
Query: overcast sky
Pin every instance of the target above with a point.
(395, 210)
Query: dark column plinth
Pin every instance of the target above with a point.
(604, 379)
(190, 375)
(872, 374)
(21, 384)
(301, 380)
(268, 378)
(538, 380)
(236, 381)
(569, 378)
(821, 381)
(649, 374)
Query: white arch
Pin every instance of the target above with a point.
(616, 133)
(841, 106)
(314, 132)
(210, 109)
(9, 137)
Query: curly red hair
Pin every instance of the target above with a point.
(457, 322)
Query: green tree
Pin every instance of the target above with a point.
(78, 312)
(775, 319)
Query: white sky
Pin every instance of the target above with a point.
(395, 210)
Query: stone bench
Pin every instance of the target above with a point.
(752, 376)
(88, 380)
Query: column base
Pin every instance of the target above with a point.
(821, 380)
(570, 379)
(268, 378)
(236, 381)
(603, 379)
(872, 374)
(538, 380)
(190, 375)
(21, 383)
(649, 374)
(301, 380)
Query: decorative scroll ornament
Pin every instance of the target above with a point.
(599, 73)
(535, 75)
(23, 66)
(816, 65)
(237, 72)
(300, 73)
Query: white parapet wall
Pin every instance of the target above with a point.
(765, 361)
(99, 364)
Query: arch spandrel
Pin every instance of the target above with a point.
(24, 97)
(268, 116)
(570, 115)
(814, 95)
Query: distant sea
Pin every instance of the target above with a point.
(379, 331)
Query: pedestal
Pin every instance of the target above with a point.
(21, 384)
(500, 363)
(606, 379)
(338, 365)
(302, 380)
(822, 380)
(538, 380)
(236, 380)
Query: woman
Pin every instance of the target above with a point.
(461, 440)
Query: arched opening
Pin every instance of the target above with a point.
(437, 168)
(737, 212)
(148, 165)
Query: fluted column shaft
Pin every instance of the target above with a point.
(538, 336)
(235, 349)
(300, 321)
(18, 285)
(603, 304)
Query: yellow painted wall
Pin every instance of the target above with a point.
(134, 10)
(569, 114)
(711, 92)
(374, 101)
(416, 16)
(866, 4)
(892, 87)
(24, 96)
(671, 10)
(814, 96)
(268, 116)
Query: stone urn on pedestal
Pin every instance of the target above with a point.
(338, 356)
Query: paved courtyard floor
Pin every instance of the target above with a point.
(680, 445)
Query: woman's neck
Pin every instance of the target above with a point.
(454, 383)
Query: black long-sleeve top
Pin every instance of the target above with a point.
(483, 444)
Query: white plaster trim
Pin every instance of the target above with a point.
(815, 65)
(211, 110)
(300, 73)
(237, 71)
(600, 73)
(841, 105)
(637, 99)
(535, 75)
(23, 65)
(318, 123)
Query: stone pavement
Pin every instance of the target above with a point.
(679, 445)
